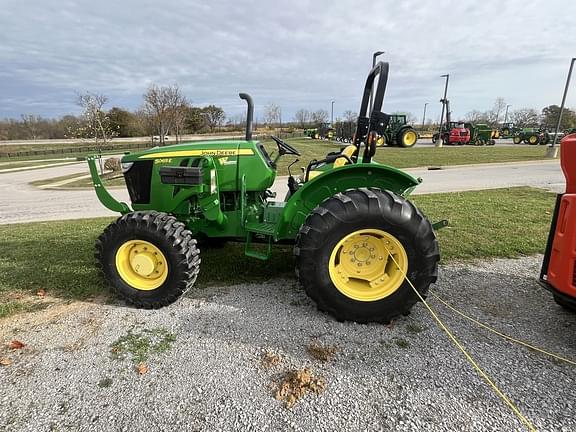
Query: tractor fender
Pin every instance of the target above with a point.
(333, 181)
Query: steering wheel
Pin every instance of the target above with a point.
(285, 148)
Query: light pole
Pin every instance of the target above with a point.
(439, 140)
(506, 115)
(424, 115)
(376, 54)
(551, 151)
(332, 114)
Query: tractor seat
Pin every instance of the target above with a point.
(348, 151)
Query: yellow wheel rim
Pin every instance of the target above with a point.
(141, 265)
(532, 139)
(409, 138)
(380, 141)
(361, 265)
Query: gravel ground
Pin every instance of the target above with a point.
(403, 377)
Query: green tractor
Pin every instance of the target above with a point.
(508, 130)
(359, 244)
(324, 131)
(398, 133)
(311, 133)
(532, 136)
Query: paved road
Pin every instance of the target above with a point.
(20, 202)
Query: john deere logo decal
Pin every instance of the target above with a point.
(199, 152)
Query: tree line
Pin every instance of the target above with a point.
(165, 111)
(524, 117)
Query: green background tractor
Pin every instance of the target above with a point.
(532, 136)
(324, 131)
(397, 134)
(357, 239)
(508, 130)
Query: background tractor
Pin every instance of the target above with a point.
(344, 131)
(461, 133)
(508, 130)
(357, 239)
(398, 133)
(324, 131)
(532, 136)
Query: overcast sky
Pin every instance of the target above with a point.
(297, 54)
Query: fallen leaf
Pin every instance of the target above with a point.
(142, 368)
(16, 344)
(390, 325)
(41, 293)
(5, 361)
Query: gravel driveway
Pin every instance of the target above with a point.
(404, 377)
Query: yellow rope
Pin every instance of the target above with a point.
(476, 366)
(503, 335)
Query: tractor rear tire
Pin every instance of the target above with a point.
(533, 139)
(149, 258)
(359, 231)
(407, 138)
(505, 133)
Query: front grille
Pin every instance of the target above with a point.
(138, 181)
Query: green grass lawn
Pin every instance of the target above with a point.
(58, 256)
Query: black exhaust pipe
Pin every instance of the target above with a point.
(249, 114)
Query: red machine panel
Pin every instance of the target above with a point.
(562, 266)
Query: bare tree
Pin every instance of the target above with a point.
(525, 117)
(350, 116)
(494, 114)
(161, 104)
(271, 114)
(96, 122)
(320, 116)
(476, 116)
(302, 117)
(31, 123)
(179, 117)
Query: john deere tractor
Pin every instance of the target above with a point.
(397, 134)
(357, 240)
(532, 136)
(508, 130)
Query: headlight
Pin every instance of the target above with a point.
(126, 166)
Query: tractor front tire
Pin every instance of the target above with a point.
(150, 259)
(517, 140)
(533, 139)
(354, 251)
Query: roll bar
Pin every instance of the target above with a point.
(249, 114)
(376, 120)
(381, 69)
